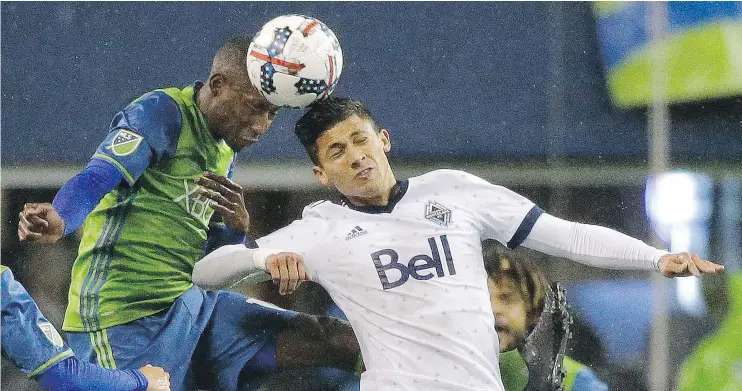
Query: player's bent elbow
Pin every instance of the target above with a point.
(202, 278)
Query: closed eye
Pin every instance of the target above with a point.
(335, 151)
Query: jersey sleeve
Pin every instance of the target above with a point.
(503, 214)
(304, 237)
(28, 339)
(141, 134)
(71, 374)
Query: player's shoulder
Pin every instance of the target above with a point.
(164, 99)
(318, 210)
(156, 106)
(175, 94)
(447, 177)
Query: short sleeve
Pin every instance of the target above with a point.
(503, 214)
(28, 339)
(142, 134)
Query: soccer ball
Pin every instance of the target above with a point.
(294, 60)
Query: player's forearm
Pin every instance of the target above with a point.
(220, 235)
(72, 374)
(591, 245)
(228, 265)
(82, 193)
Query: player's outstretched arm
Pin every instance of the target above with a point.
(72, 374)
(47, 223)
(229, 265)
(606, 248)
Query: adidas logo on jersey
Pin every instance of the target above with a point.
(356, 232)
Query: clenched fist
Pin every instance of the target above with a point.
(40, 222)
(158, 379)
(287, 270)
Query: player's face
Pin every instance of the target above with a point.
(510, 308)
(243, 114)
(352, 158)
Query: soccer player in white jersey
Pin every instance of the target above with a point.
(403, 258)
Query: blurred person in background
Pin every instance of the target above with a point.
(517, 290)
(33, 344)
(716, 363)
(145, 224)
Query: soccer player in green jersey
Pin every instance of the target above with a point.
(144, 225)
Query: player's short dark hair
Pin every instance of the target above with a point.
(231, 58)
(322, 116)
(502, 264)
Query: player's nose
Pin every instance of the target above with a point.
(355, 156)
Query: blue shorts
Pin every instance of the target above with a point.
(206, 339)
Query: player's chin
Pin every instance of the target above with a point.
(507, 342)
(367, 190)
(240, 144)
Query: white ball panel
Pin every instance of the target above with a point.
(314, 52)
(315, 67)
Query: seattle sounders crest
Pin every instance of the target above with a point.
(125, 142)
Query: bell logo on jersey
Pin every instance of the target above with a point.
(388, 259)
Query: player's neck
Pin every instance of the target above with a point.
(203, 101)
(201, 98)
(383, 199)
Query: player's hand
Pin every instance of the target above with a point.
(687, 264)
(228, 200)
(40, 222)
(287, 270)
(158, 379)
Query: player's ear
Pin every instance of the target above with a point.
(321, 175)
(386, 140)
(216, 82)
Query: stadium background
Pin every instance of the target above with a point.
(522, 94)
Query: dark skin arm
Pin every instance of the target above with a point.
(317, 341)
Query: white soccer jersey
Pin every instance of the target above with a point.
(411, 279)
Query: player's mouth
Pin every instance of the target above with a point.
(365, 173)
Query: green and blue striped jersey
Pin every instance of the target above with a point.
(140, 243)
